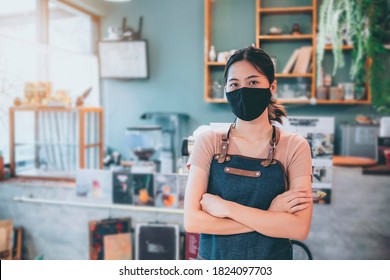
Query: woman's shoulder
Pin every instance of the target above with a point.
(291, 139)
(205, 134)
(209, 137)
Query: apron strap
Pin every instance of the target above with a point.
(224, 145)
(272, 144)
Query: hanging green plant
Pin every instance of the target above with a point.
(377, 11)
(360, 23)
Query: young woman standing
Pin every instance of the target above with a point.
(249, 188)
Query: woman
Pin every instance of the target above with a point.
(249, 188)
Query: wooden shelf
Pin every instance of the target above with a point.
(293, 101)
(286, 37)
(294, 75)
(345, 102)
(215, 63)
(302, 101)
(286, 10)
(215, 100)
(344, 47)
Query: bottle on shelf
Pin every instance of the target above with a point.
(212, 54)
(275, 63)
(286, 93)
(217, 89)
(302, 89)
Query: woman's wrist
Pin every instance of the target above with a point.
(231, 206)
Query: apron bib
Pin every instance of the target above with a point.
(251, 182)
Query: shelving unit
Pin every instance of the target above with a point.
(261, 37)
(311, 37)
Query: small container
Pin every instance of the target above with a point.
(217, 90)
(322, 93)
(327, 80)
(212, 54)
(275, 63)
(349, 91)
(336, 93)
(286, 92)
(360, 92)
(222, 56)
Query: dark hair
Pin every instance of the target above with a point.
(263, 63)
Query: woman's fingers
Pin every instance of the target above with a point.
(299, 207)
(298, 204)
(299, 200)
(293, 194)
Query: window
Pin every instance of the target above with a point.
(66, 58)
(18, 19)
(69, 28)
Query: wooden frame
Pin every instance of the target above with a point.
(124, 59)
(83, 146)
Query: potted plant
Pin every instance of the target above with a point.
(361, 23)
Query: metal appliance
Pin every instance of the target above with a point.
(173, 129)
(358, 140)
(143, 142)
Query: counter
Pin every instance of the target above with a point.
(356, 225)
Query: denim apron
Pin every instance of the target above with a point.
(252, 182)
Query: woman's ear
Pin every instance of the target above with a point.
(273, 87)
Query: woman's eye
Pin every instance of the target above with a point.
(252, 83)
(233, 85)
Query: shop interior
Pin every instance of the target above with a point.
(101, 102)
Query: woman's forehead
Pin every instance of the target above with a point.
(243, 69)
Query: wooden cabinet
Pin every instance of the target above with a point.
(301, 85)
(53, 142)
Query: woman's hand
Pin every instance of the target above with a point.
(291, 201)
(215, 205)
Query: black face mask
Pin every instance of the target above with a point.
(249, 103)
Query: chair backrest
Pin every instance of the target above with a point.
(300, 251)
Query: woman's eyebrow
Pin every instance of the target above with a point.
(232, 79)
(252, 76)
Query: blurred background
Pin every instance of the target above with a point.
(99, 101)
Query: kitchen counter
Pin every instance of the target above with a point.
(355, 225)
